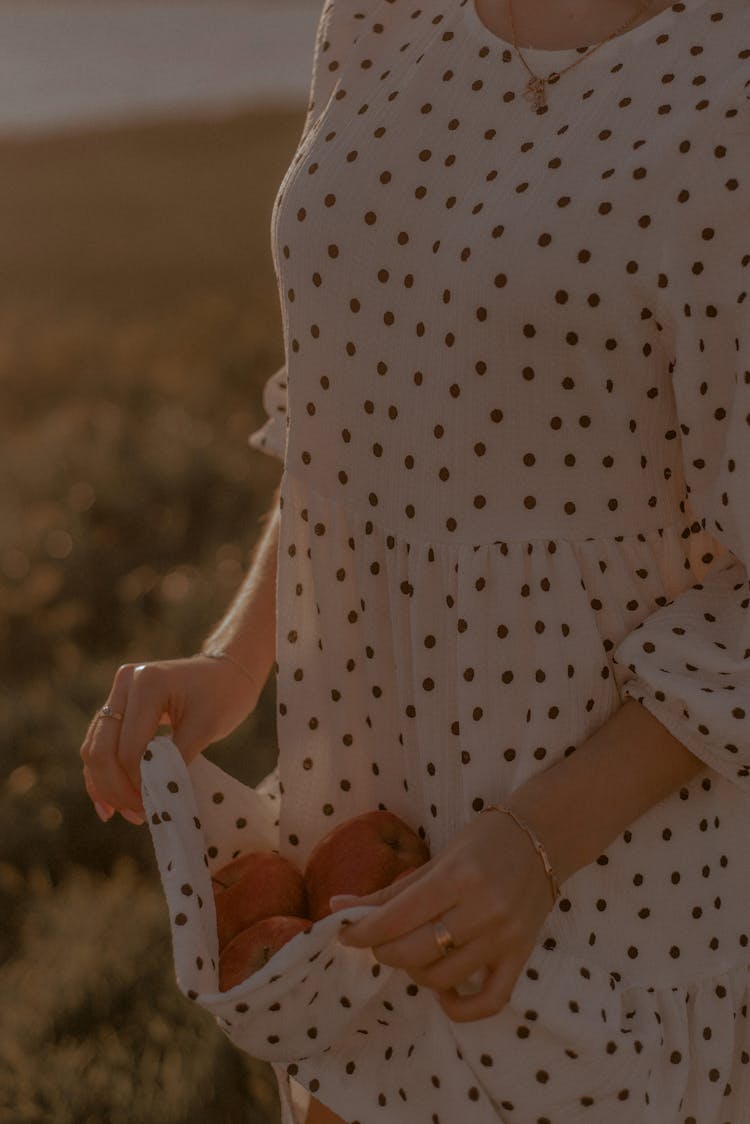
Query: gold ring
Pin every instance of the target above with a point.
(107, 712)
(443, 937)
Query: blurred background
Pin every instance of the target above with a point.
(142, 143)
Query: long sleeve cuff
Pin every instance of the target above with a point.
(691, 665)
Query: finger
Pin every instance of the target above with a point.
(107, 774)
(109, 778)
(419, 949)
(85, 750)
(442, 973)
(132, 817)
(104, 810)
(490, 1001)
(426, 897)
(86, 743)
(145, 712)
(119, 692)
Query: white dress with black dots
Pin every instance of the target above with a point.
(514, 419)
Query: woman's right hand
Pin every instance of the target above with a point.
(202, 698)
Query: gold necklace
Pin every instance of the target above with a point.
(535, 87)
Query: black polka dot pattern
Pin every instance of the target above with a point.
(514, 420)
(363, 1034)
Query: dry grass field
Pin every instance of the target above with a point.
(139, 318)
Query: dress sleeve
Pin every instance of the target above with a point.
(338, 27)
(691, 658)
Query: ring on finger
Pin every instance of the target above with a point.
(443, 937)
(107, 711)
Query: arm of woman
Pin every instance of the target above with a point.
(495, 910)
(200, 698)
(580, 804)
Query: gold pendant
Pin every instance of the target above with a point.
(535, 88)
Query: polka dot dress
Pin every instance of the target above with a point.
(514, 420)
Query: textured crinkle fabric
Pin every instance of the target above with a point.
(343, 1024)
(514, 422)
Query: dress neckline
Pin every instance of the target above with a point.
(629, 38)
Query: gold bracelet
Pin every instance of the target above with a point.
(220, 654)
(534, 839)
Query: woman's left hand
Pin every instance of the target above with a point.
(490, 889)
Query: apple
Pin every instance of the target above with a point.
(403, 874)
(256, 885)
(360, 856)
(254, 947)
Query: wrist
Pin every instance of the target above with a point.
(249, 639)
(537, 843)
(530, 804)
(214, 652)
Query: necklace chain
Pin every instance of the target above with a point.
(535, 87)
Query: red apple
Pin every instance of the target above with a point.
(403, 874)
(256, 885)
(360, 856)
(254, 947)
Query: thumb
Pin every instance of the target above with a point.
(139, 726)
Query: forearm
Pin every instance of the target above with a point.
(579, 805)
(247, 630)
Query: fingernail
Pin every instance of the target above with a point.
(131, 817)
(102, 812)
(344, 932)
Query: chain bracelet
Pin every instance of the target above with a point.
(534, 839)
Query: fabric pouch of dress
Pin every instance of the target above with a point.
(329, 1015)
(200, 818)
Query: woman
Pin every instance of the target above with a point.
(512, 537)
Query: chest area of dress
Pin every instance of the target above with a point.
(430, 186)
(472, 327)
(446, 234)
